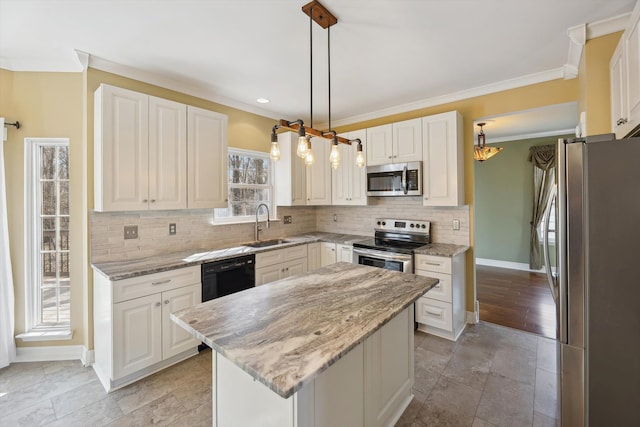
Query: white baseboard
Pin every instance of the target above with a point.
(88, 357)
(50, 353)
(506, 264)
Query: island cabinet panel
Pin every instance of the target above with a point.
(369, 386)
(389, 371)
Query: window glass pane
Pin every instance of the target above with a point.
(48, 198)
(64, 268)
(49, 301)
(49, 268)
(48, 162)
(64, 311)
(63, 162)
(64, 197)
(64, 233)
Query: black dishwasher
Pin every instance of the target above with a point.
(220, 278)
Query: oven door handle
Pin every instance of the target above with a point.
(405, 186)
(382, 254)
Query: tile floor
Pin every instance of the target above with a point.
(493, 376)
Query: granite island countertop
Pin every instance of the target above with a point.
(286, 333)
(124, 269)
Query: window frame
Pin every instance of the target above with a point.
(262, 215)
(35, 330)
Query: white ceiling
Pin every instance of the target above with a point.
(386, 55)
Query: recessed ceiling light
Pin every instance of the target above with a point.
(262, 100)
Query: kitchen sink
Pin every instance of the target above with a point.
(266, 243)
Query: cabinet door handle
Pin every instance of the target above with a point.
(434, 313)
(158, 304)
(166, 301)
(433, 263)
(621, 121)
(162, 282)
(437, 286)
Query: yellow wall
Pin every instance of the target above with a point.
(61, 105)
(595, 85)
(47, 105)
(534, 96)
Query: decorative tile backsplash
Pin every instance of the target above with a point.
(194, 228)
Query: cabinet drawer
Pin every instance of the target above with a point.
(280, 255)
(434, 313)
(148, 284)
(442, 291)
(438, 264)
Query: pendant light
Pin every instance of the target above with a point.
(320, 15)
(481, 152)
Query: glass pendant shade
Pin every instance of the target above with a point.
(334, 157)
(360, 156)
(274, 153)
(302, 147)
(309, 158)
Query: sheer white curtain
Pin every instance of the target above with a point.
(7, 342)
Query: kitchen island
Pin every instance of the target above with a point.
(330, 347)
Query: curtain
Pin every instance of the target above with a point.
(543, 158)
(7, 342)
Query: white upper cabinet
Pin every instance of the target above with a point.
(207, 158)
(149, 151)
(395, 143)
(291, 173)
(624, 70)
(443, 163)
(319, 174)
(167, 154)
(121, 150)
(349, 186)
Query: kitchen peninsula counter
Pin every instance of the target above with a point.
(288, 334)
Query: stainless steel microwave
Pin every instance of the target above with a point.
(396, 179)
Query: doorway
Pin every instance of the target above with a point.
(508, 292)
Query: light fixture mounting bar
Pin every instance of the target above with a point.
(311, 131)
(319, 14)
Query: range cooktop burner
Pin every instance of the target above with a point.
(401, 236)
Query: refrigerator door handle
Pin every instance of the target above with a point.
(551, 278)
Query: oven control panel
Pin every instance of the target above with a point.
(402, 225)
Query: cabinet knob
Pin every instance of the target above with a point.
(426, 198)
(391, 157)
(158, 304)
(621, 121)
(166, 301)
(153, 200)
(144, 201)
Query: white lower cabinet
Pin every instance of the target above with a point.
(327, 254)
(280, 263)
(370, 386)
(442, 311)
(133, 333)
(313, 256)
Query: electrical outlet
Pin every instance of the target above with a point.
(172, 228)
(335, 218)
(288, 219)
(130, 232)
(456, 224)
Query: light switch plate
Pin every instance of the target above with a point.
(172, 228)
(456, 224)
(130, 232)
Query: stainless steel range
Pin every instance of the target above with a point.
(393, 245)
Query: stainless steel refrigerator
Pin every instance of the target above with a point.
(597, 280)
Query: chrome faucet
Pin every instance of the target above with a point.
(258, 229)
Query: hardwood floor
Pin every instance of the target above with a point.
(517, 299)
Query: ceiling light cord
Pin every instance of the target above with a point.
(311, 67)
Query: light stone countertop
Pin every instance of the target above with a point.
(286, 333)
(441, 249)
(124, 269)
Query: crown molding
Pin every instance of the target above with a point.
(527, 80)
(198, 90)
(608, 26)
(531, 135)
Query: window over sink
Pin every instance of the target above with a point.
(250, 183)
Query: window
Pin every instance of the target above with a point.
(47, 223)
(250, 183)
(552, 224)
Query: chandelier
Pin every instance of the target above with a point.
(481, 152)
(320, 15)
